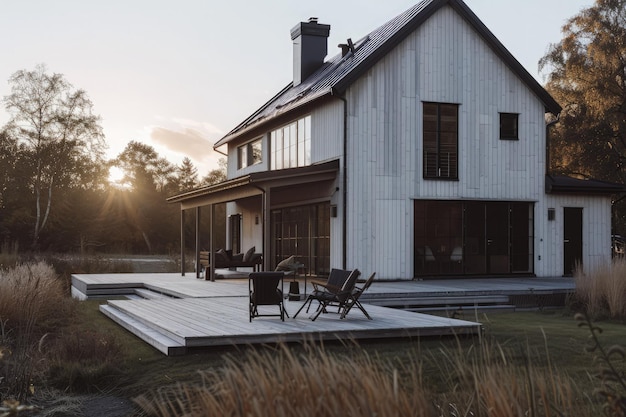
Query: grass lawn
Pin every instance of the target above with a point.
(523, 335)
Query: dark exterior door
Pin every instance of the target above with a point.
(497, 243)
(572, 238)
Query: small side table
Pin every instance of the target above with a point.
(294, 285)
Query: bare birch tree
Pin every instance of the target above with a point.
(58, 130)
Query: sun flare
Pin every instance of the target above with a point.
(116, 176)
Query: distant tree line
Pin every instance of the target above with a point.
(55, 193)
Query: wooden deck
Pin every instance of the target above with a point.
(175, 314)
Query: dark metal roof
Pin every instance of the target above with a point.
(339, 72)
(557, 184)
(256, 180)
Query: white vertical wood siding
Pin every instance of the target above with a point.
(442, 61)
(549, 234)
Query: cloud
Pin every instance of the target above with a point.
(188, 142)
(188, 138)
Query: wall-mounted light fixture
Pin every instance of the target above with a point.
(551, 214)
(333, 210)
(256, 219)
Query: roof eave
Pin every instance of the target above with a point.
(235, 133)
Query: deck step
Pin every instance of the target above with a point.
(150, 294)
(440, 301)
(149, 335)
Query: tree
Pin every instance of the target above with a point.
(61, 139)
(187, 175)
(215, 176)
(587, 75)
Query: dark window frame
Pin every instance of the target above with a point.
(440, 139)
(509, 126)
(246, 154)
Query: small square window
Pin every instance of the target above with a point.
(509, 126)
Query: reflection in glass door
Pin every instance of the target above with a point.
(304, 232)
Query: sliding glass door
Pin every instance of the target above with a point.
(472, 237)
(304, 232)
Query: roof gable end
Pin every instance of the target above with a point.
(342, 70)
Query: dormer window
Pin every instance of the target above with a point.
(290, 145)
(250, 153)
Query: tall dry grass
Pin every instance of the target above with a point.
(485, 382)
(32, 301)
(9, 256)
(602, 291)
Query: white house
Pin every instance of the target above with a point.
(418, 151)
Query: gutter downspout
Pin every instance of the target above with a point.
(345, 177)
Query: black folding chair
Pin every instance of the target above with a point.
(339, 298)
(353, 299)
(266, 288)
(334, 283)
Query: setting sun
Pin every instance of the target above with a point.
(116, 176)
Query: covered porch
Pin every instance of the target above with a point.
(278, 213)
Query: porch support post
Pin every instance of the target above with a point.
(267, 244)
(211, 248)
(198, 266)
(182, 241)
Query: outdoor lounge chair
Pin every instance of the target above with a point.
(335, 281)
(266, 289)
(353, 299)
(338, 298)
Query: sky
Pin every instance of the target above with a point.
(180, 74)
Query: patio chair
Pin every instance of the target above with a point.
(339, 298)
(335, 281)
(353, 299)
(266, 289)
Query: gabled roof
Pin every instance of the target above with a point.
(339, 72)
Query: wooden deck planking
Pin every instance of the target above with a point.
(224, 321)
(216, 313)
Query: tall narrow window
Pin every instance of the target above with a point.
(508, 126)
(291, 145)
(441, 125)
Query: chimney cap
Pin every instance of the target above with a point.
(310, 28)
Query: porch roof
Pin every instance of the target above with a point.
(256, 183)
(558, 184)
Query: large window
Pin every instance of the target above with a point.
(250, 153)
(291, 145)
(441, 125)
(473, 238)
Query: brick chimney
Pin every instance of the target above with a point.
(310, 46)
